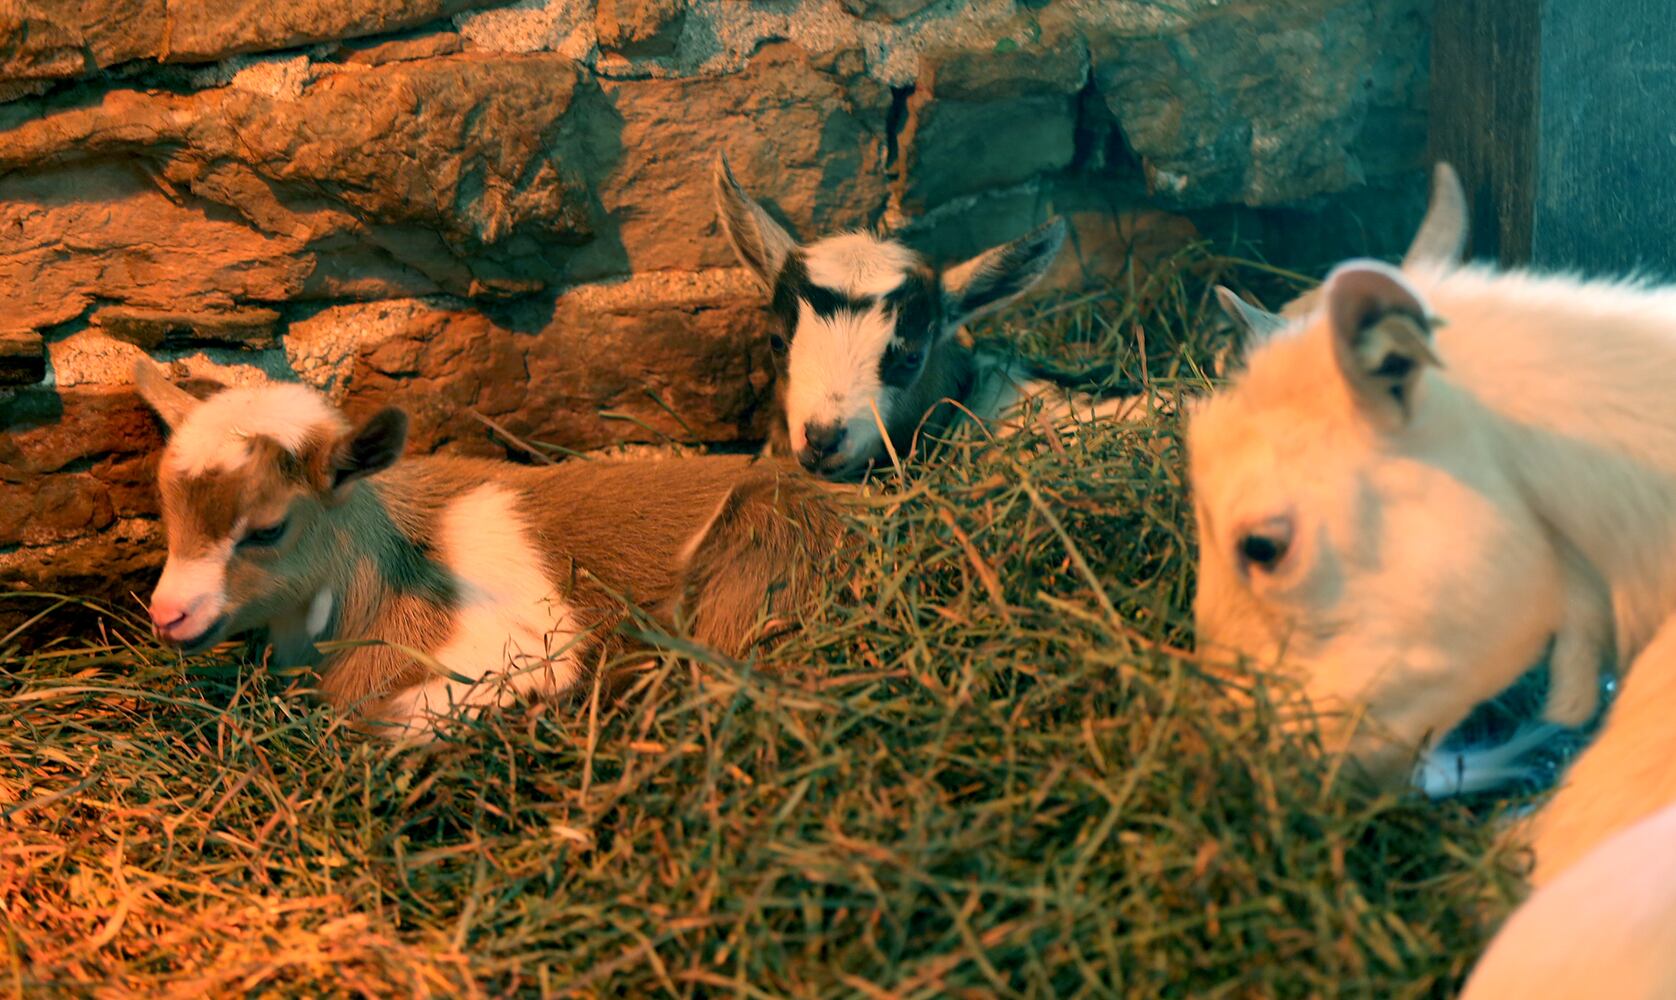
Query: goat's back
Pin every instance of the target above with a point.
(721, 540)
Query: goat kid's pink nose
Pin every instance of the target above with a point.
(167, 614)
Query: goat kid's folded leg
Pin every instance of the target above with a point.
(756, 559)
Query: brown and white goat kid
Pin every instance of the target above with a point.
(869, 336)
(281, 516)
(1410, 492)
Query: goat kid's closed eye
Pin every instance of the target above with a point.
(903, 362)
(264, 537)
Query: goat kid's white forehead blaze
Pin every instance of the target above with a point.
(833, 375)
(1417, 581)
(859, 264)
(215, 436)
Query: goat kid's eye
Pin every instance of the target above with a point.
(777, 344)
(1264, 546)
(905, 360)
(1263, 553)
(257, 538)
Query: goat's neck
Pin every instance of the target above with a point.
(365, 558)
(1611, 516)
(950, 373)
(1577, 380)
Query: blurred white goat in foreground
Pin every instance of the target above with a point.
(1430, 475)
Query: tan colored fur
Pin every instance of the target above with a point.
(753, 562)
(1624, 776)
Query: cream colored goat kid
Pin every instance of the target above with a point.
(1410, 491)
(282, 516)
(1602, 922)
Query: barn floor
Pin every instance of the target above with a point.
(985, 766)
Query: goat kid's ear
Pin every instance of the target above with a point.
(1258, 324)
(997, 276)
(171, 402)
(1381, 333)
(372, 447)
(1442, 237)
(761, 243)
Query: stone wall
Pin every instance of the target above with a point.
(464, 204)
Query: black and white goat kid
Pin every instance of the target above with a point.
(868, 344)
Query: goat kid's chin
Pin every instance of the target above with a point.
(843, 468)
(862, 451)
(192, 642)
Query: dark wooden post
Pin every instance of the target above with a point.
(1561, 117)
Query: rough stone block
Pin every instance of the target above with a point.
(1264, 104)
(23, 357)
(988, 115)
(252, 328)
(401, 49)
(49, 40)
(639, 27)
(1052, 64)
(796, 138)
(203, 30)
(886, 10)
(92, 232)
(440, 170)
(63, 39)
(956, 148)
(642, 350)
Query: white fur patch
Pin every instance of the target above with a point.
(857, 264)
(833, 375)
(196, 588)
(511, 632)
(215, 436)
(319, 614)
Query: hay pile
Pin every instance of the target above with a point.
(984, 766)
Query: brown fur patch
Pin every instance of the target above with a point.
(375, 611)
(200, 511)
(610, 530)
(759, 559)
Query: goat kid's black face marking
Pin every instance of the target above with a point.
(841, 356)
